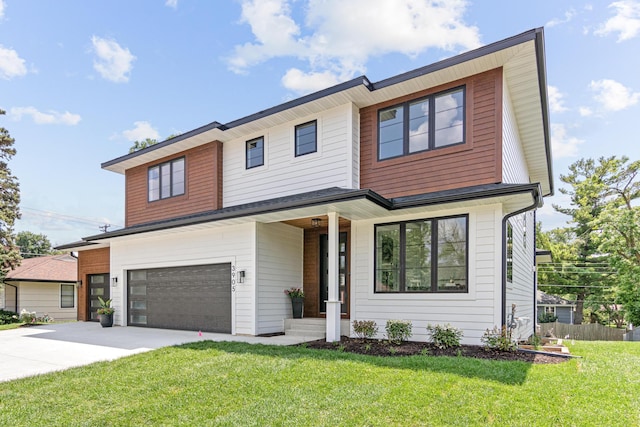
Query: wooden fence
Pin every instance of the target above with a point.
(586, 332)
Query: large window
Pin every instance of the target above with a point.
(67, 296)
(425, 124)
(306, 138)
(166, 180)
(255, 152)
(422, 256)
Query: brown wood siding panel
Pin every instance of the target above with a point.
(95, 261)
(203, 189)
(476, 162)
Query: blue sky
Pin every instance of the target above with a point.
(81, 80)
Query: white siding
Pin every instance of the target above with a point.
(233, 244)
(44, 298)
(473, 312)
(514, 166)
(284, 174)
(279, 267)
(521, 290)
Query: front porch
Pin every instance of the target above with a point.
(310, 329)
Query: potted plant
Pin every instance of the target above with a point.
(297, 301)
(106, 313)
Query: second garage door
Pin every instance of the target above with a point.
(196, 298)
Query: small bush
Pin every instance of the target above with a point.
(547, 318)
(398, 331)
(7, 317)
(445, 336)
(27, 317)
(365, 328)
(498, 339)
(534, 340)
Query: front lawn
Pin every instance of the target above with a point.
(240, 384)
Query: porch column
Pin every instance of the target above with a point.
(333, 303)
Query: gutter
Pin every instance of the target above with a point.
(537, 202)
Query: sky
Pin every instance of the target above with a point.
(80, 80)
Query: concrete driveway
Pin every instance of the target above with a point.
(40, 349)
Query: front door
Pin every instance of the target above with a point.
(342, 272)
(98, 287)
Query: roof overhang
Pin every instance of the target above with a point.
(349, 204)
(521, 57)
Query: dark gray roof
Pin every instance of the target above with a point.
(547, 299)
(325, 196)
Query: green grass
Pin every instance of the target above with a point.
(10, 326)
(239, 384)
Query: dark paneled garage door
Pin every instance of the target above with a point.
(194, 298)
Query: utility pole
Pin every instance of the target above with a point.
(104, 228)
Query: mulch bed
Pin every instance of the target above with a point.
(373, 347)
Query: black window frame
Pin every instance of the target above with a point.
(402, 285)
(171, 185)
(431, 146)
(73, 295)
(248, 150)
(315, 138)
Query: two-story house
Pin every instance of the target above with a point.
(409, 198)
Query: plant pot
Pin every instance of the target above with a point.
(106, 320)
(297, 304)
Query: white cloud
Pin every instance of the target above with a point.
(299, 81)
(50, 117)
(625, 22)
(141, 131)
(563, 145)
(11, 65)
(336, 46)
(613, 95)
(568, 16)
(585, 111)
(113, 62)
(556, 101)
(2, 6)
(171, 3)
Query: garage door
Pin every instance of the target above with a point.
(196, 298)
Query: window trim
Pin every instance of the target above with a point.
(295, 137)
(431, 145)
(247, 152)
(171, 189)
(73, 295)
(434, 259)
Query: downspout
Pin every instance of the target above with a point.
(537, 202)
(535, 270)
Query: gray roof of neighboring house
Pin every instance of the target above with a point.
(543, 298)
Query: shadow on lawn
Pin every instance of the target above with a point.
(506, 372)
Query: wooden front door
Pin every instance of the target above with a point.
(98, 287)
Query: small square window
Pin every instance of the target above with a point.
(306, 138)
(255, 152)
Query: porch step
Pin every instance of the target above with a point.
(312, 328)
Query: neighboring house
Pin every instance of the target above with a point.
(386, 200)
(561, 308)
(46, 285)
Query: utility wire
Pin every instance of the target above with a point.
(65, 217)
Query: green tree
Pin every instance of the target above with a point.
(9, 203)
(32, 245)
(140, 145)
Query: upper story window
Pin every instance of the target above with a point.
(427, 255)
(166, 180)
(424, 124)
(255, 152)
(306, 138)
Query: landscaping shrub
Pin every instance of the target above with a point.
(499, 339)
(398, 330)
(7, 317)
(445, 336)
(547, 318)
(365, 328)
